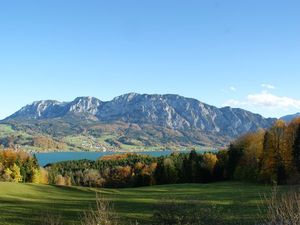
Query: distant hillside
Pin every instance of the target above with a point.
(133, 121)
(289, 118)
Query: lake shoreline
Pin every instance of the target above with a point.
(122, 151)
(45, 158)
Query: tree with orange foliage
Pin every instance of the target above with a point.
(44, 177)
(296, 149)
(145, 176)
(250, 147)
(92, 178)
(60, 180)
(209, 162)
(274, 166)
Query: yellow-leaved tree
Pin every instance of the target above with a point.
(36, 176)
(209, 161)
(16, 174)
(275, 161)
(44, 177)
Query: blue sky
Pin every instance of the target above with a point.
(230, 52)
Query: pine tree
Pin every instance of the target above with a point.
(194, 166)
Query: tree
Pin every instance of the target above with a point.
(92, 178)
(36, 176)
(288, 150)
(220, 170)
(209, 161)
(44, 177)
(2, 168)
(16, 174)
(145, 176)
(193, 167)
(207, 167)
(249, 163)
(274, 164)
(235, 153)
(7, 174)
(68, 181)
(60, 180)
(166, 172)
(296, 149)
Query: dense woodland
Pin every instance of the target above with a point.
(131, 170)
(267, 156)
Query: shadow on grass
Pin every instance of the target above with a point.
(238, 201)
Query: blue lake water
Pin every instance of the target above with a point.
(54, 157)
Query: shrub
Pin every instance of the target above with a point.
(103, 214)
(172, 212)
(281, 209)
(51, 219)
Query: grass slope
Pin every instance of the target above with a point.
(22, 204)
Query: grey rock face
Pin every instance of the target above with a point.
(40, 110)
(87, 105)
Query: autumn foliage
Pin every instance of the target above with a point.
(266, 156)
(19, 166)
(270, 156)
(132, 170)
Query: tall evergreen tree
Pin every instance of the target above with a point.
(235, 153)
(194, 165)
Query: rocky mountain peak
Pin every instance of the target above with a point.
(172, 112)
(38, 109)
(126, 97)
(88, 105)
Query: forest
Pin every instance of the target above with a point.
(266, 156)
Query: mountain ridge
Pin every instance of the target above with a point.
(140, 118)
(289, 118)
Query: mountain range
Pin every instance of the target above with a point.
(289, 118)
(133, 121)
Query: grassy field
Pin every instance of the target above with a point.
(25, 203)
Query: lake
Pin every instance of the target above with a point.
(54, 157)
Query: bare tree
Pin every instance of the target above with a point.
(103, 214)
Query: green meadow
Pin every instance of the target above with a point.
(22, 204)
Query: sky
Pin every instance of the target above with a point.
(235, 53)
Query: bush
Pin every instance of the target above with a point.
(281, 209)
(51, 219)
(172, 212)
(103, 214)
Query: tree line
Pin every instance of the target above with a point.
(267, 156)
(133, 170)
